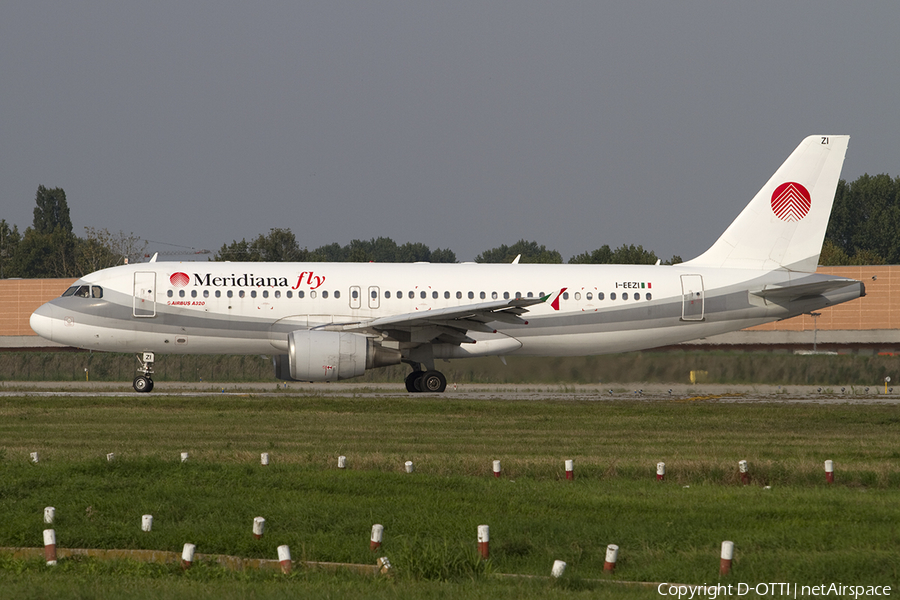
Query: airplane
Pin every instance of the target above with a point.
(331, 321)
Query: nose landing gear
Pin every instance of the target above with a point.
(144, 383)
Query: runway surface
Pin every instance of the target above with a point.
(476, 391)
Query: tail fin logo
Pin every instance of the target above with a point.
(791, 201)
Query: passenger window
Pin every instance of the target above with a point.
(530, 294)
(624, 295)
(324, 294)
(337, 294)
(387, 294)
(278, 293)
(241, 294)
(588, 296)
(637, 295)
(219, 293)
(600, 296)
(301, 294)
(649, 296)
(519, 295)
(170, 293)
(289, 294)
(434, 295)
(506, 295)
(565, 295)
(229, 293)
(181, 293)
(193, 293)
(482, 295)
(253, 293)
(459, 295)
(313, 294)
(265, 293)
(578, 295)
(206, 293)
(493, 295)
(412, 295)
(446, 295)
(612, 296)
(423, 295)
(354, 294)
(471, 295)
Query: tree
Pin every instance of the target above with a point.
(9, 243)
(531, 253)
(100, 249)
(52, 211)
(623, 255)
(280, 245)
(865, 220)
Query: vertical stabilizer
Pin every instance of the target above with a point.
(784, 225)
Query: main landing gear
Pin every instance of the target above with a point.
(426, 381)
(144, 383)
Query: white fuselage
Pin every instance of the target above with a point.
(249, 308)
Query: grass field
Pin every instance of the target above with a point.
(787, 526)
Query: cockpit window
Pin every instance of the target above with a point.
(84, 291)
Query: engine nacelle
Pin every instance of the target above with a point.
(315, 355)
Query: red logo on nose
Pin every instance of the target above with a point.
(791, 201)
(179, 279)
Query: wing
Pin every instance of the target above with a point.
(448, 325)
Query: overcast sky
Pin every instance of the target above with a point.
(462, 125)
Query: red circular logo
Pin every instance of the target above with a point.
(791, 201)
(179, 279)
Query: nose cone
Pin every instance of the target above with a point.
(41, 321)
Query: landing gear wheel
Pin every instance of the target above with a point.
(432, 381)
(412, 381)
(142, 384)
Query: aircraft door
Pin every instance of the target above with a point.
(355, 296)
(144, 294)
(693, 297)
(374, 295)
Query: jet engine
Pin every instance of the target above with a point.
(315, 355)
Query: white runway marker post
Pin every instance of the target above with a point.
(50, 546)
(570, 469)
(35, 457)
(111, 457)
(745, 472)
(559, 567)
(264, 459)
(184, 456)
(187, 556)
(147, 523)
(259, 527)
(612, 554)
(376, 537)
(829, 471)
(284, 558)
(727, 556)
(49, 515)
(410, 467)
(660, 471)
(484, 541)
(342, 462)
(496, 468)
